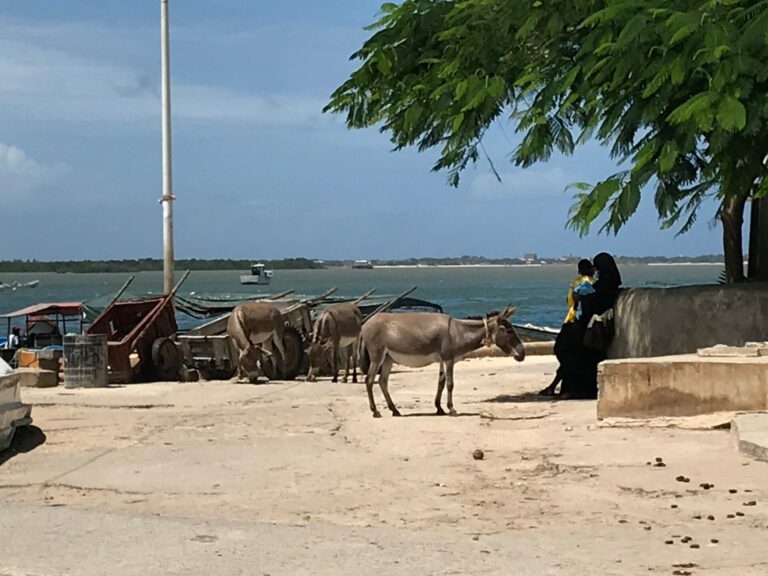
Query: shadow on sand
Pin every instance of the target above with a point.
(528, 397)
(26, 439)
(425, 414)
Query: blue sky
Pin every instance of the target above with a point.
(259, 171)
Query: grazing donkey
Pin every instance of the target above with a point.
(250, 326)
(418, 339)
(337, 328)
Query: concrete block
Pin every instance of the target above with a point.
(751, 434)
(37, 378)
(723, 351)
(654, 322)
(50, 354)
(684, 385)
(51, 364)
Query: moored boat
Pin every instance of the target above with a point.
(258, 275)
(13, 285)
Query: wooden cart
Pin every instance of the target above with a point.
(208, 348)
(140, 332)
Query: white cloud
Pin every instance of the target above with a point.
(51, 79)
(209, 103)
(530, 183)
(20, 174)
(14, 160)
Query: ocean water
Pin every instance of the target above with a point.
(538, 291)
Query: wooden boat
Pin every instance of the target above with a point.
(15, 285)
(531, 333)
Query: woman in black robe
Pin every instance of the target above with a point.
(578, 363)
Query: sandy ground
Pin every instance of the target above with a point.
(298, 478)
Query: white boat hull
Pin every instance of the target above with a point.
(249, 279)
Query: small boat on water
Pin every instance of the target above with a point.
(14, 285)
(258, 275)
(362, 265)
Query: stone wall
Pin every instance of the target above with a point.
(666, 321)
(683, 385)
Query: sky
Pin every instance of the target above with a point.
(258, 170)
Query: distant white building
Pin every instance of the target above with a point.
(530, 257)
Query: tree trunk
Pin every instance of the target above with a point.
(732, 217)
(758, 241)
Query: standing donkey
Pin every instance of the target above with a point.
(250, 326)
(337, 328)
(418, 339)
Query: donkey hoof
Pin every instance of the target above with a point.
(354, 380)
(344, 380)
(334, 379)
(396, 412)
(452, 412)
(440, 411)
(377, 414)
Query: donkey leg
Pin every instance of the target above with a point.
(449, 385)
(386, 368)
(347, 360)
(335, 361)
(440, 386)
(280, 363)
(373, 367)
(355, 358)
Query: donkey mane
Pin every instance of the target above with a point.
(504, 322)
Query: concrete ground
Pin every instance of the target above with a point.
(298, 478)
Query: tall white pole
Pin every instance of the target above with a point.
(167, 198)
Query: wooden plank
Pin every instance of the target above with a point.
(280, 295)
(364, 296)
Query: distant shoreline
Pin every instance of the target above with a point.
(685, 264)
(154, 265)
(416, 266)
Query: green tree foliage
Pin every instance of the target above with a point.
(676, 89)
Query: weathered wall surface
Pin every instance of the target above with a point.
(683, 385)
(665, 321)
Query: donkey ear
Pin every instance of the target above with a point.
(508, 311)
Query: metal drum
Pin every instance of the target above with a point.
(85, 361)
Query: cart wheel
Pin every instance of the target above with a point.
(294, 357)
(166, 359)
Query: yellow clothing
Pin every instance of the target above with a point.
(571, 315)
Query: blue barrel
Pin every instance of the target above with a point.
(85, 361)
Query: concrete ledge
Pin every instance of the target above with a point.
(684, 385)
(37, 378)
(751, 434)
(531, 349)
